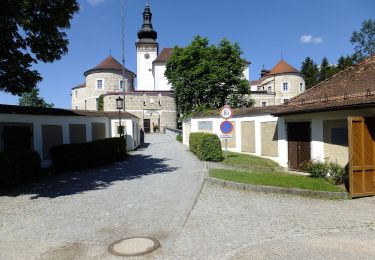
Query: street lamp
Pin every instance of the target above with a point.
(119, 106)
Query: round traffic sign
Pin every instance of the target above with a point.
(226, 112)
(226, 127)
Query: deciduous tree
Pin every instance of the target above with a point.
(207, 76)
(364, 40)
(32, 99)
(31, 31)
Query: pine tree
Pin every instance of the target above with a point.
(326, 70)
(311, 72)
(344, 62)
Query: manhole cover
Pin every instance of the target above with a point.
(133, 246)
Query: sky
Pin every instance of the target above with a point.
(265, 30)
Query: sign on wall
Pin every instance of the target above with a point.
(205, 125)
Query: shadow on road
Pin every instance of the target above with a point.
(135, 166)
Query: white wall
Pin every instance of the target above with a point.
(317, 130)
(64, 121)
(161, 82)
(258, 119)
(132, 132)
(145, 78)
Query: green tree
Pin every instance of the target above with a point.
(326, 70)
(31, 31)
(311, 72)
(364, 40)
(344, 62)
(32, 99)
(204, 76)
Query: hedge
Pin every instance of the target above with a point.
(87, 155)
(206, 146)
(19, 167)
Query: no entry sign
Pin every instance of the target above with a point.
(226, 127)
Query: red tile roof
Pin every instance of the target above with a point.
(109, 63)
(282, 67)
(82, 85)
(164, 55)
(353, 87)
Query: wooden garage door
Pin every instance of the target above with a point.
(361, 156)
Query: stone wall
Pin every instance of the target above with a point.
(85, 98)
(276, 96)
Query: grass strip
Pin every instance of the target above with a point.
(276, 179)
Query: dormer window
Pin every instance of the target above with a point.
(100, 84)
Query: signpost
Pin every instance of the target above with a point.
(226, 127)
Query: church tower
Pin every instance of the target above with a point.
(147, 51)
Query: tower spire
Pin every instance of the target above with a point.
(147, 34)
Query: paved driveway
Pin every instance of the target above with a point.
(235, 224)
(77, 215)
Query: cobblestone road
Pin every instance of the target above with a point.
(76, 216)
(234, 224)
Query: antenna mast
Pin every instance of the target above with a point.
(123, 49)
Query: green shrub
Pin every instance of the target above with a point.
(206, 146)
(209, 149)
(328, 170)
(337, 173)
(194, 139)
(87, 155)
(19, 167)
(317, 169)
(179, 138)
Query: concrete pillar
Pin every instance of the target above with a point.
(317, 144)
(282, 142)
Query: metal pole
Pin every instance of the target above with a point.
(123, 52)
(226, 148)
(119, 121)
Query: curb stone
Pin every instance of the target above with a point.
(279, 190)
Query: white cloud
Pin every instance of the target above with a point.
(310, 39)
(95, 2)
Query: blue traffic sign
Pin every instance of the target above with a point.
(226, 127)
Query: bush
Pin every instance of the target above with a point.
(206, 146)
(87, 155)
(337, 173)
(317, 169)
(194, 139)
(179, 138)
(328, 170)
(18, 168)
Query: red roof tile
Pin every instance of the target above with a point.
(350, 87)
(109, 63)
(282, 67)
(164, 55)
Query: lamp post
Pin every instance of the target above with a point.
(119, 106)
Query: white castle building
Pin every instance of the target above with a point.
(152, 98)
